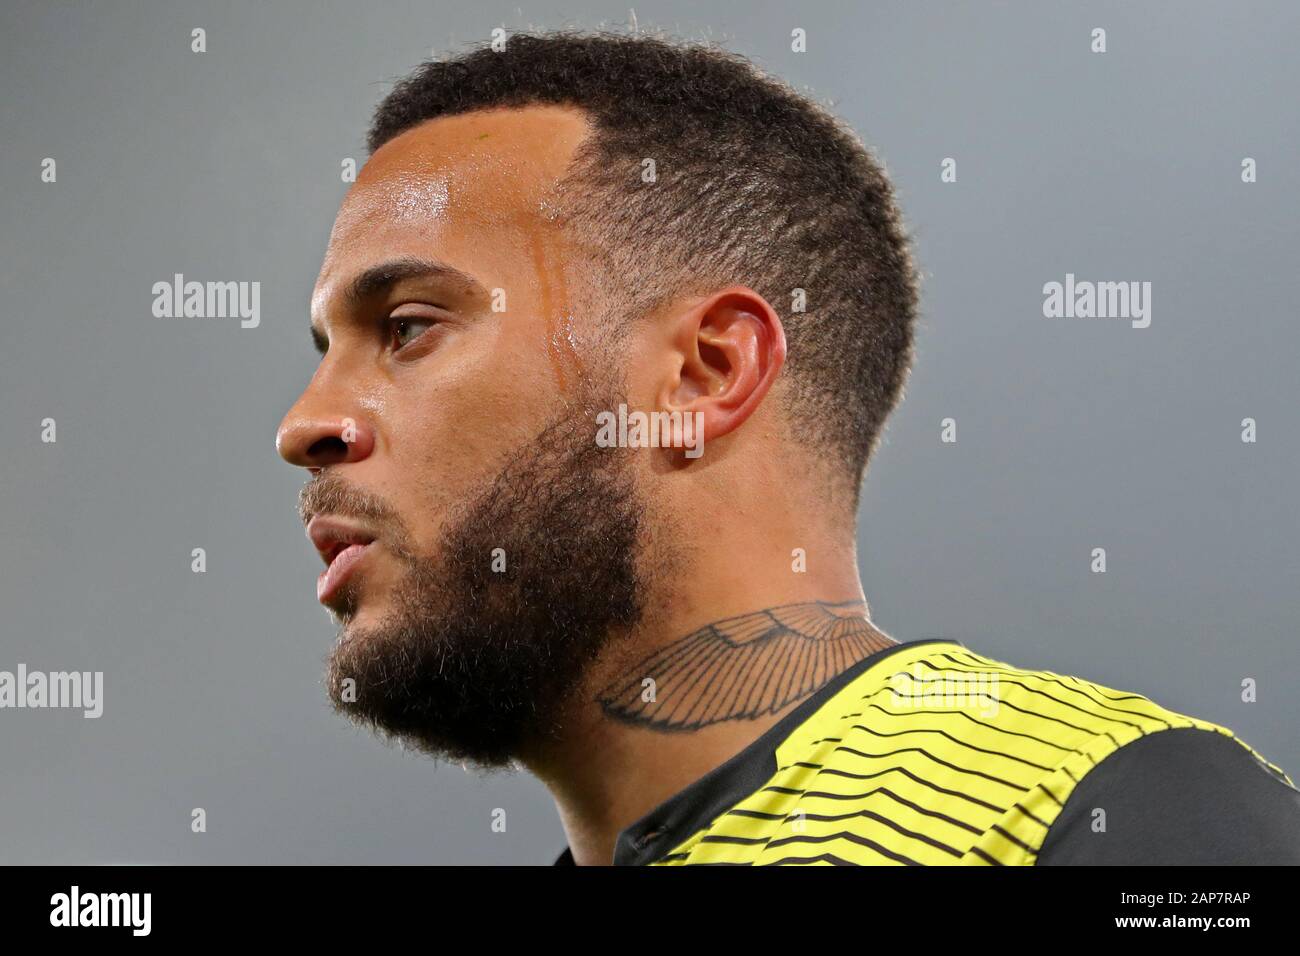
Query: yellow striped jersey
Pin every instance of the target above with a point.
(927, 753)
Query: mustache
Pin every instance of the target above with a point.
(329, 493)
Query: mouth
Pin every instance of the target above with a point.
(341, 545)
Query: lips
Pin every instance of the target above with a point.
(342, 545)
(340, 569)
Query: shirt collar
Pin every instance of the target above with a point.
(695, 807)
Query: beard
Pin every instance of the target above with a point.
(484, 649)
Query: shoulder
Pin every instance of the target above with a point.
(1104, 775)
(934, 754)
(1186, 795)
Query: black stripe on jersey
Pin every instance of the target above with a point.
(939, 760)
(1076, 690)
(980, 723)
(991, 667)
(1063, 703)
(892, 796)
(962, 743)
(903, 771)
(844, 837)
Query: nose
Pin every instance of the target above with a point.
(316, 437)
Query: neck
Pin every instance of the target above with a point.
(688, 689)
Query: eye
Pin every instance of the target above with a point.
(406, 329)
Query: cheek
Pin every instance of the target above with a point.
(455, 420)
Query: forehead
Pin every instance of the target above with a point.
(441, 183)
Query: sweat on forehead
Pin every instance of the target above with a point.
(489, 165)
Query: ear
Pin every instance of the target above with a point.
(731, 347)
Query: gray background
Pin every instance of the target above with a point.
(1072, 434)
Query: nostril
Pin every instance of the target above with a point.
(329, 450)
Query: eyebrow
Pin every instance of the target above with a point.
(380, 279)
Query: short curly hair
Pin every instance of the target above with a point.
(754, 184)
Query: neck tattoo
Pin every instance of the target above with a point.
(743, 667)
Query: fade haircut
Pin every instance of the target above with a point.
(755, 185)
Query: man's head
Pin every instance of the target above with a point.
(540, 235)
